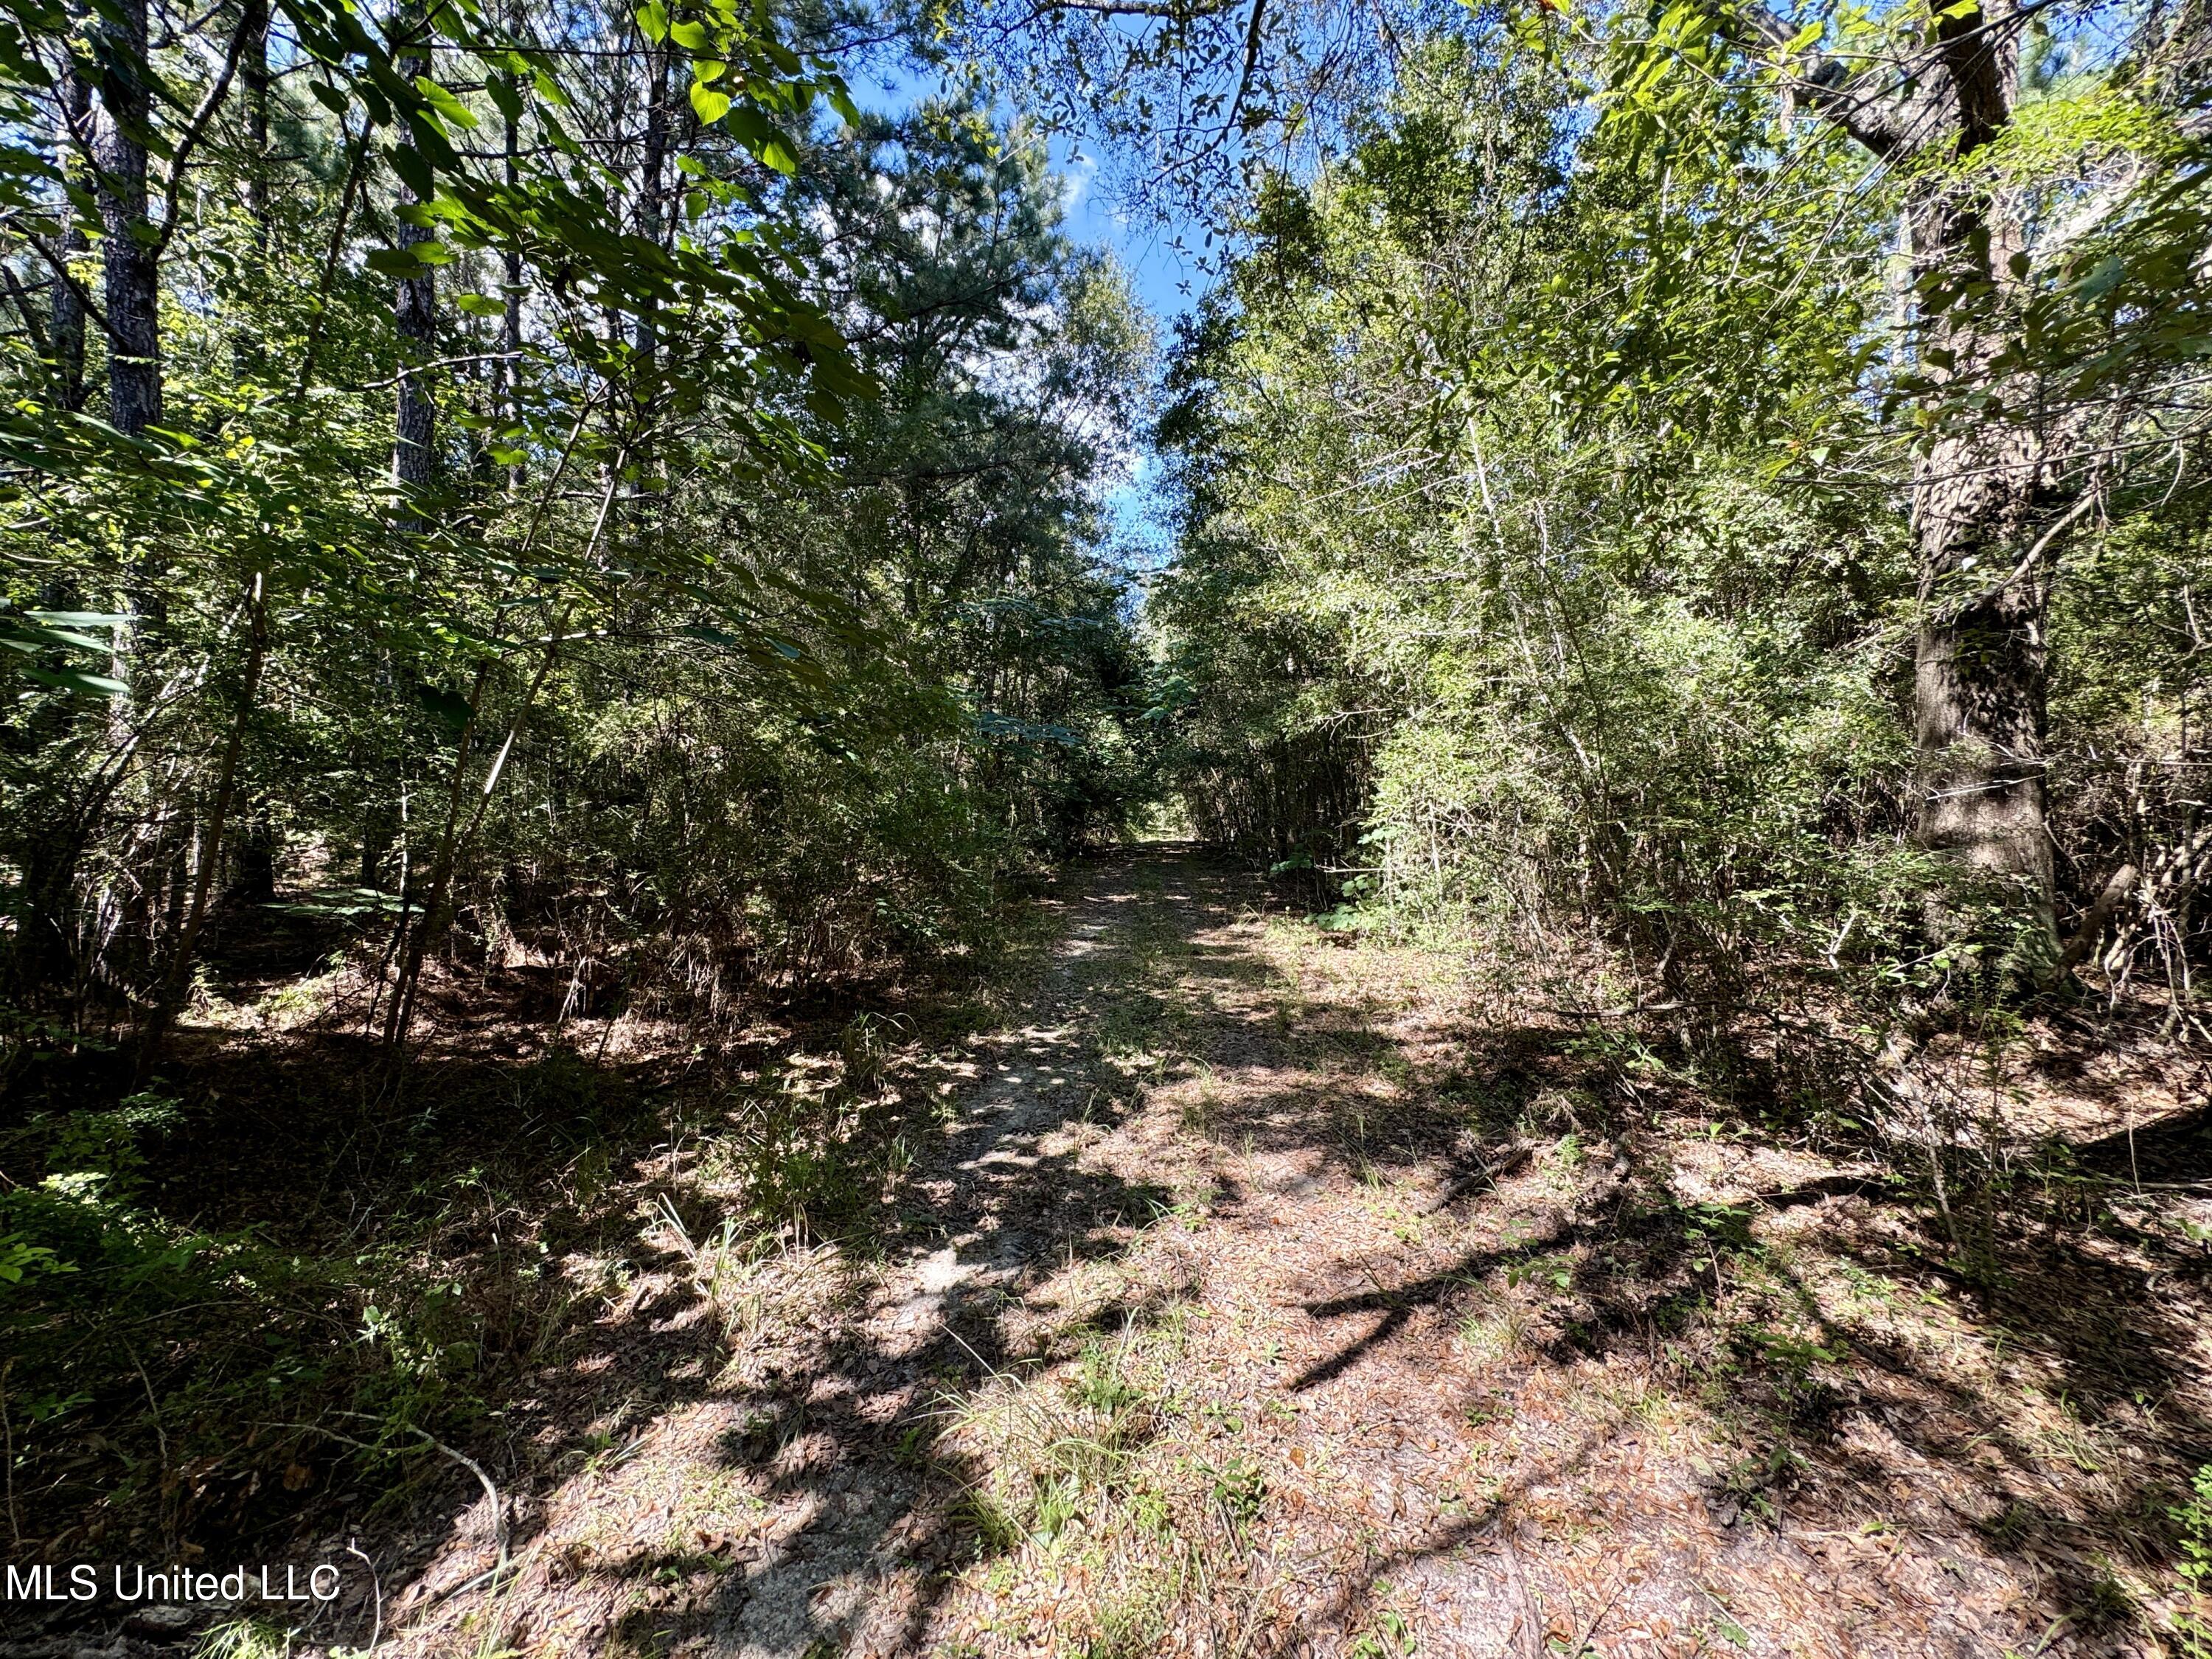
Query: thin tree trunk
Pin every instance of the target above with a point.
(412, 943)
(248, 348)
(653, 189)
(176, 984)
(254, 69)
(458, 835)
(510, 328)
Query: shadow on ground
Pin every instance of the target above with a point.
(1737, 1349)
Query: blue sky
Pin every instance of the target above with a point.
(1167, 282)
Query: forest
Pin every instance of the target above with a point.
(1104, 828)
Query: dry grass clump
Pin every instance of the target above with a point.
(1112, 1513)
(743, 1276)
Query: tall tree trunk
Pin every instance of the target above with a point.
(131, 264)
(253, 66)
(130, 291)
(656, 225)
(1980, 664)
(654, 217)
(414, 313)
(248, 347)
(68, 322)
(509, 386)
(1979, 501)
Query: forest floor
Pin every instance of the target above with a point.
(1260, 1289)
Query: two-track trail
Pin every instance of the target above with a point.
(1263, 1289)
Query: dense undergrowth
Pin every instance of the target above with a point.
(1572, 585)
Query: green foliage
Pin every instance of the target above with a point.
(787, 650)
(1392, 1638)
(1544, 464)
(1597, 656)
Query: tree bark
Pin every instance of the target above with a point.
(73, 121)
(1979, 498)
(654, 217)
(1980, 669)
(2091, 930)
(254, 68)
(248, 350)
(130, 260)
(508, 378)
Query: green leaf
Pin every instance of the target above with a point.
(482, 305)
(449, 711)
(38, 634)
(82, 642)
(449, 108)
(2104, 277)
(72, 679)
(414, 171)
(397, 262)
(760, 135)
(80, 618)
(341, 903)
(711, 105)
